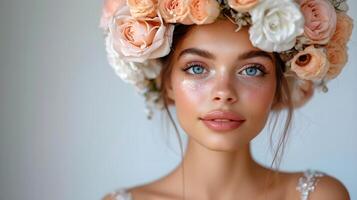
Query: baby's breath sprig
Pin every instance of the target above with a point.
(340, 5)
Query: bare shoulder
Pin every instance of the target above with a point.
(330, 188)
(319, 186)
(159, 189)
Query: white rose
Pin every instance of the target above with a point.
(151, 68)
(275, 25)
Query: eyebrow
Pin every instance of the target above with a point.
(207, 54)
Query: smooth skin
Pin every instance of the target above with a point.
(217, 68)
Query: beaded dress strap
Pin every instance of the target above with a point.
(120, 194)
(307, 183)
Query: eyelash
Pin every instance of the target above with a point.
(190, 66)
(260, 67)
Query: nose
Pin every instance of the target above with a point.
(224, 90)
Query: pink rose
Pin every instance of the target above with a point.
(320, 20)
(109, 9)
(337, 56)
(175, 11)
(137, 40)
(142, 8)
(204, 11)
(310, 64)
(242, 5)
(344, 28)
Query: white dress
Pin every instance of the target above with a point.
(306, 184)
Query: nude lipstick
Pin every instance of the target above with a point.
(222, 121)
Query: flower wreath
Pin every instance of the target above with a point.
(310, 36)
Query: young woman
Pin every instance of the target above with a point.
(224, 83)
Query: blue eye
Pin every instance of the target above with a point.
(195, 69)
(254, 70)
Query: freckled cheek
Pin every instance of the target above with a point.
(190, 93)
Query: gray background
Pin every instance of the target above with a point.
(70, 129)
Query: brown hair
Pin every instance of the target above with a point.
(282, 98)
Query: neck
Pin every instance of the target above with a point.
(210, 173)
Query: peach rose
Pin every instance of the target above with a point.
(344, 28)
(109, 9)
(204, 11)
(320, 20)
(310, 64)
(242, 5)
(337, 56)
(142, 8)
(175, 11)
(137, 40)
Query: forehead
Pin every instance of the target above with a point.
(219, 37)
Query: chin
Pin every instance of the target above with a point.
(219, 143)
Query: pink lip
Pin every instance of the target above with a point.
(222, 121)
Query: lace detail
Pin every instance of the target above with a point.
(120, 194)
(307, 183)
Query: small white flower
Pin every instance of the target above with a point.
(340, 5)
(276, 24)
(153, 101)
(151, 68)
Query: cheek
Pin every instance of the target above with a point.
(189, 94)
(257, 99)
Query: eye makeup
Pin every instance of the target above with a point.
(250, 75)
(199, 69)
(196, 69)
(249, 69)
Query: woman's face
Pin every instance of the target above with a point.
(222, 86)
